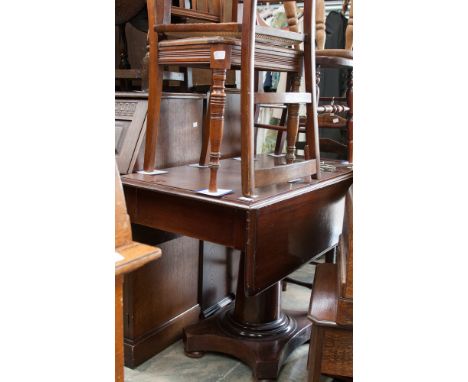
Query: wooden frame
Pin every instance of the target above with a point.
(219, 54)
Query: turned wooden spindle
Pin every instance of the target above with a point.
(293, 109)
(332, 109)
(320, 24)
(216, 110)
(291, 15)
(293, 122)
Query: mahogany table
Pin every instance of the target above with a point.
(281, 229)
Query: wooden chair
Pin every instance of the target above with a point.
(210, 43)
(337, 58)
(331, 309)
(130, 256)
(328, 112)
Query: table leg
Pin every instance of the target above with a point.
(254, 330)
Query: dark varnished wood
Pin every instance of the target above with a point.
(254, 329)
(248, 47)
(218, 277)
(133, 255)
(154, 316)
(305, 216)
(331, 309)
(265, 356)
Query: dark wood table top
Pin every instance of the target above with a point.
(186, 180)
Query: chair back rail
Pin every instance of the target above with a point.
(202, 10)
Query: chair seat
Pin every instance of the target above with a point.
(196, 52)
(343, 53)
(266, 35)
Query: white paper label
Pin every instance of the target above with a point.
(118, 257)
(195, 124)
(219, 54)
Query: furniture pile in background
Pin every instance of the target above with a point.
(232, 220)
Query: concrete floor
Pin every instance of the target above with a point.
(171, 365)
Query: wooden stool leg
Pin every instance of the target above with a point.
(312, 133)
(152, 122)
(216, 123)
(293, 123)
(247, 99)
(349, 125)
(315, 354)
(205, 134)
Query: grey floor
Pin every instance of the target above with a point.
(171, 365)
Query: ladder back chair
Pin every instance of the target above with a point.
(331, 309)
(130, 256)
(337, 58)
(209, 43)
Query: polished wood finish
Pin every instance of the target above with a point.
(119, 354)
(221, 46)
(218, 276)
(134, 255)
(175, 146)
(331, 309)
(154, 316)
(320, 24)
(306, 215)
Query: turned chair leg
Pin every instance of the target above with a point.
(216, 123)
(155, 80)
(281, 137)
(349, 124)
(203, 162)
(293, 122)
